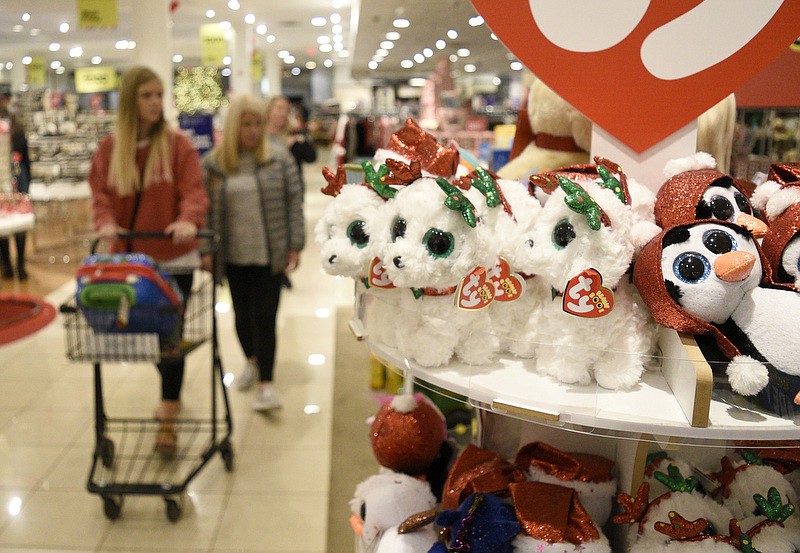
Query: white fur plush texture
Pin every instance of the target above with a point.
(596, 497)
(746, 375)
(612, 348)
(550, 114)
(774, 538)
(699, 160)
(763, 192)
(781, 200)
(526, 544)
(431, 329)
(690, 506)
(390, 498)
(662, 465)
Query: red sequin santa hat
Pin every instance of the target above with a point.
(407, 434)
(687, 180)
(782, 229)
(414, 143)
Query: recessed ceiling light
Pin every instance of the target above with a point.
(337, 4)
(494, 36)
(61, 70)
(55, 64)
(452, 34)
(121, 45)
(319, 21)
(344, 54)
(323, 39)
(283, 53)
(35, 32)
(372, 64)
(377, 58)
(26, 16)
(516, 66)
(249, 18)
(392, 35)
(469, 68)
(17, 28)
(10, 66)
(441, 44)
(387, 44)
(338, 46)
(382, 52)
(401, 23)
(311, 65)
(407, 64)
(26, 60)
(224, 25)
(476, 21)
(453, 58)
(97, 60)
(419, 58)
(226, 72)
(335, 18)
(270, 38)
(261, 29)
(325, 48)
(131, 44)
(75, 52)
(210, 13)
(54, 47)
(295, 71)
(496, 81)
(338, 38)
(234, 4)
(177, 58)
(427, 52)
(226, 60)
(288, 60)
(64, 27)
(328, 63)
(337, 29)
(417, 82)
(462, 52)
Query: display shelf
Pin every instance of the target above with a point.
(510, 386)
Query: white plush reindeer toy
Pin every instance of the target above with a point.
(438, 249)
(585, 241)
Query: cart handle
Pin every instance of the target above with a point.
(210, 235)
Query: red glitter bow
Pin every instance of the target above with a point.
(552, 513)
(478, 470)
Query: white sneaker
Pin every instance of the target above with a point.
(267, 399)
(248, 376)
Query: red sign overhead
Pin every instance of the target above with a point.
(642, 69)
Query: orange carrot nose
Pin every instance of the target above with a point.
(358, 524)
(753, 224)
(734, 266)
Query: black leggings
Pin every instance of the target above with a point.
(172, 369)
(255, 292)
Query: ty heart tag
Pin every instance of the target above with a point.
(508, 286)
(585, 296)
(377, 275)
(643, 69)
(474, 292)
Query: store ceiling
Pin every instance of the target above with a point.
(364, 22)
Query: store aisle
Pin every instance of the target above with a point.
(276, 499)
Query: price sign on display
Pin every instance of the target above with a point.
(642, 69)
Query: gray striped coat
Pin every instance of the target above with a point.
(281, 193)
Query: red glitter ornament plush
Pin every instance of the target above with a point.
(407, 434)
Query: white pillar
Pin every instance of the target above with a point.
(274, 69)
(242, 58)
(17, 74)
(152, 31)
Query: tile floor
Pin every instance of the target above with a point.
(276, 499)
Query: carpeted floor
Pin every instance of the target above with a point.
(351, 454)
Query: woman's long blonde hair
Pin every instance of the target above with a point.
(123, 173)
(228, 153)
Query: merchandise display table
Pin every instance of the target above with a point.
(16, 222)
(63, 208)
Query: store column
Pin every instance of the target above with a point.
(242, 58)
(152, 31)
(274, 72)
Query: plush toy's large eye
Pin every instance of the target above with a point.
(357, 235)
(398, 229)
(718, 241)
(743, 203)
(438, 242)
(529, 243)
(563, 234)
(721, 207)
(691, 267)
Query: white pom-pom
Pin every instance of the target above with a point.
(405, 403)
(642, 232)
(700, 160)
(746, 375)
(782, 200)
(763, 193)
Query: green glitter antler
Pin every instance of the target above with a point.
(772, 506)
(487, 186)
(610, 182)
(374, 180)
(579, 201)
(457, 201)
(751, 457)
(675, 480)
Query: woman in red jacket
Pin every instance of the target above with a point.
(146, 177)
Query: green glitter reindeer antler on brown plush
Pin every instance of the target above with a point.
(457, 201)
(675, 481)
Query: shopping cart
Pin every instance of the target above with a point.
(124, 461)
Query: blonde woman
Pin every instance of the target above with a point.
(257, 208)
(146, 177)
